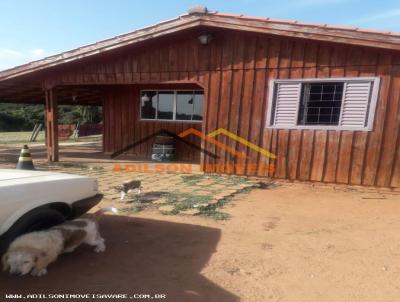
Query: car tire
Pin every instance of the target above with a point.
(35, 220)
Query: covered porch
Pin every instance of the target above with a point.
(86, 154)
(116, 74)
(127, 137)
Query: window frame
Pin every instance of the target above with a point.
(374, 94)
(174, 120)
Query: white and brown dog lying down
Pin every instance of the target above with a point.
(33, 252)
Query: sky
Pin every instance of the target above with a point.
(33, 29)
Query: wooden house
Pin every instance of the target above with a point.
(324, 99)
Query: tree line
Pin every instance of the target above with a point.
(22, 117)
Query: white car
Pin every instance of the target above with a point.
(35, 200)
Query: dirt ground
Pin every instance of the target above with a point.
(295, 242)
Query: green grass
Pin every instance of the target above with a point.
(192, 179)
(207, 210)
(73, 165)
(212, 210)
(19, 137)
(24, 136)
(217, 215)
(218, 179)
(185, 201)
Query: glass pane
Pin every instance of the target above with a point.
(198, 106)
(148, 105)
(184, 105)
(317, 89)
(328, 88)
(320, 103)
(165, 105)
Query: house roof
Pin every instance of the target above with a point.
(314, 31)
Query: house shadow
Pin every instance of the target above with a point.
(143, 256)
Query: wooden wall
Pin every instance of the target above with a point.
(239, 91)
(123, 126)
(235, 70)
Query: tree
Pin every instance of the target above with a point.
(22, 117)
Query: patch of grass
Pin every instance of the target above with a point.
(267, 185)
(227, 179)
(218, 178)
(217, 215)
(20, 137)
(182, 202)
(73, 165)
(185, 201)
(212, 210)
(192, 179)
(97, 168)
(238, 179)
(134, 208)
(245, 190)
(23, 137)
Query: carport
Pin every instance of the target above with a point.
(31, 91)
(116, 74)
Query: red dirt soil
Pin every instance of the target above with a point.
(291, 243)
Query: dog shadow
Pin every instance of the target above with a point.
(143, 256)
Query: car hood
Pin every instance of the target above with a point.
(8, 176)
(22, 191)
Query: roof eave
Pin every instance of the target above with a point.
(305, 31)
(320, 32)
(158, 30)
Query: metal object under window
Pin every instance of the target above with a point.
(163, 148)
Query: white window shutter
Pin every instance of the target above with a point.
(287, 104)
(355, 104)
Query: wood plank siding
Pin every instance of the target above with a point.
(123, 126)
(235, 70)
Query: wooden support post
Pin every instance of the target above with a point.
(51, 126)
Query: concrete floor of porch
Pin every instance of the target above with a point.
(79, 153)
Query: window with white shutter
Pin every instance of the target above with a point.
(287, 99)
(346, 103)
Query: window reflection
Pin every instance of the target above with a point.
(179, 105)
(165, 105)
(148, 104)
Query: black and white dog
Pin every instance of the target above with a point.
(128, 187)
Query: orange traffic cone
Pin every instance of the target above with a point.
(25, 160)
